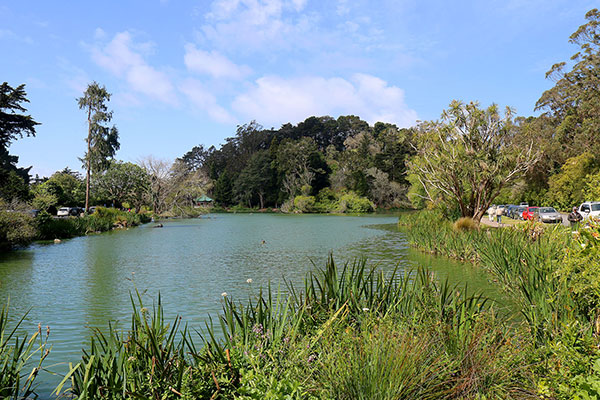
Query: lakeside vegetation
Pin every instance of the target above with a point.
(353, 332)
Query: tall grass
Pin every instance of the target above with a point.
(21, 359)
(146, 362)
(102, 220)
(350, 332)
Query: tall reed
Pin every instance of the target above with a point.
(19, 365)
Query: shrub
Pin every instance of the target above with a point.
(304, 203)
(16, 229)
(465, 224)
(353, 203)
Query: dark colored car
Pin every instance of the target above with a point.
(75, 211)
(518, 212)
(529, 213)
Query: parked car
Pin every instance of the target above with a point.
(518, 212)
(590, 209)
(508, 210)
(528, 213)
(76, 211)
(547, 214)
(63, 212)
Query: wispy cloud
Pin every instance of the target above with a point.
(213, 63)
(203, 100)
(125, 59)
(275, 100)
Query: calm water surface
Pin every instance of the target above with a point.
(85, 282)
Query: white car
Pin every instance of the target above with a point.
(63, 212)
(590, 209)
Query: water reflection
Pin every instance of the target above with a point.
(87, 281)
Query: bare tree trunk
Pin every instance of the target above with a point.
(88, 161)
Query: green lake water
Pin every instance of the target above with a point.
(86, 281)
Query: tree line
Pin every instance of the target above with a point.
(470, 157)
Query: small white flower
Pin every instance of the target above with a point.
(224, 294)
(365, 309)
(583, 245)
(249, 280)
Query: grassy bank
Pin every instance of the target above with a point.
(20, 229)
(553, 277)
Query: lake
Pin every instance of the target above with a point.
(86, 281)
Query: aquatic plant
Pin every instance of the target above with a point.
(19, 366)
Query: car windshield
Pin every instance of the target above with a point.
(595, 207)
(547, 210)
(533, 208)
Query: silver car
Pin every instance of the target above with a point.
(547, 214)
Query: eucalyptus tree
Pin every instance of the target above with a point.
(102, 140)
(465, 159)
(573, 104)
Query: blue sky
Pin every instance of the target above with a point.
(184, 73)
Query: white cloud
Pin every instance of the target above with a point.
(205, 101)
(124, 58)
(212, 63)
(256, 24)
(274, 100)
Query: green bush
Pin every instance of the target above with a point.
(304, 203)
(16, 229)
(353, 203)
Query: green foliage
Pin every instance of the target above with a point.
(580, 271)
(591, 190)
(16, 229)
(468, 157)
(17, 358)
(304, 203)
(102, 141)
(121, 182)
(352, 203)
(63, 189)
(104, 219)
(571, 104)
(567, 188)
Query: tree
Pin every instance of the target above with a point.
(159, 172)
(186, 185)
(63, 188)
(294, 159)
(573, 103)
(122, 182)
(14, 182)
(257, 180)
(468, 157)
(102, 141)
(567, 188)
(12, 124)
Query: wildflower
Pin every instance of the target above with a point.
(257, 329)
(311, 358)
(249, 280)
(365, 309)
(143, 310)
(224, 294)
(583, 245)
